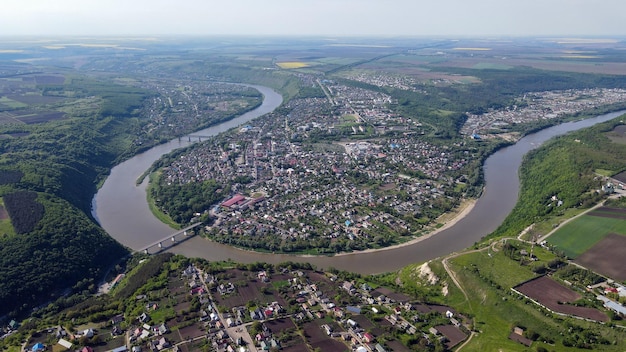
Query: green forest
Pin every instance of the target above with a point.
(564, 168)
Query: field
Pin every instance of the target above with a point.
(555, 297)
(318, 339)
(292, 64)
(580, 235)
(606, 257)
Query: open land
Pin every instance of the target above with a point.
(606, 257)
(578, 236)
(558, 298)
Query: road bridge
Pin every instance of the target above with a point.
(171, 240)
(193, 137)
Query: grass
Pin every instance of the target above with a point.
(579, 235)
(13, 104)
(606, 173)
(6, 228)
(496, 309)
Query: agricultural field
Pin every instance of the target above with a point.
(487, 277)
(292, 64)
(558, 298)
(579, 235)
(606, 257)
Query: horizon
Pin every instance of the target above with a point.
(310, 18)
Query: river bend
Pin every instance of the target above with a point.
(121, 207)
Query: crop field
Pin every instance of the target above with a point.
(41, 117)
(555, 297)
(580, 235)
(606, 257)
(292, 64)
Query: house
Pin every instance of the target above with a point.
(162, 329)
(13, 325)
(117, 319)
(65, 343)
(86, 349)
(348, 286)
(368, 337)
(116, 331)
(88, 333)
(144, 317)
(517, 335)
(354, 310)
(161, 344)
(379, 348)
(38, 347)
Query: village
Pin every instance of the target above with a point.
(266, 308)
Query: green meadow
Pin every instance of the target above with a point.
(577, 236)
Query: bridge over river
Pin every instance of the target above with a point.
(171, 240)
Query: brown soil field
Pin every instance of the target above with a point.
(35, 99)
(317, 338)
(612, 210)
(3, 213)
(396, 346)
(398, 297)
(293, 345)
(454, 335)
(190, 332)
(606, 257)
(552, 295)
(279, 325)
(182, 306)
(7, 118)
(621, 177)
(601, 214)
(42, 117)
(363, 321)
(49, 79)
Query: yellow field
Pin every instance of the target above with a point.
(292, 64)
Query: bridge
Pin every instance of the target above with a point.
(190, 137)
(171, 240)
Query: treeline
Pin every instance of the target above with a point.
(564, 170)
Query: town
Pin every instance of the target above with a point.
(343, 171)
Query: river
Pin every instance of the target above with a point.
(121, 208)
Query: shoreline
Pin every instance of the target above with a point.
(458, 214)
(464, 209)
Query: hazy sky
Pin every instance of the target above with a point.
(313, 17)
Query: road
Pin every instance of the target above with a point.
(234, 332)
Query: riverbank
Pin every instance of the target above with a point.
(448, 220)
